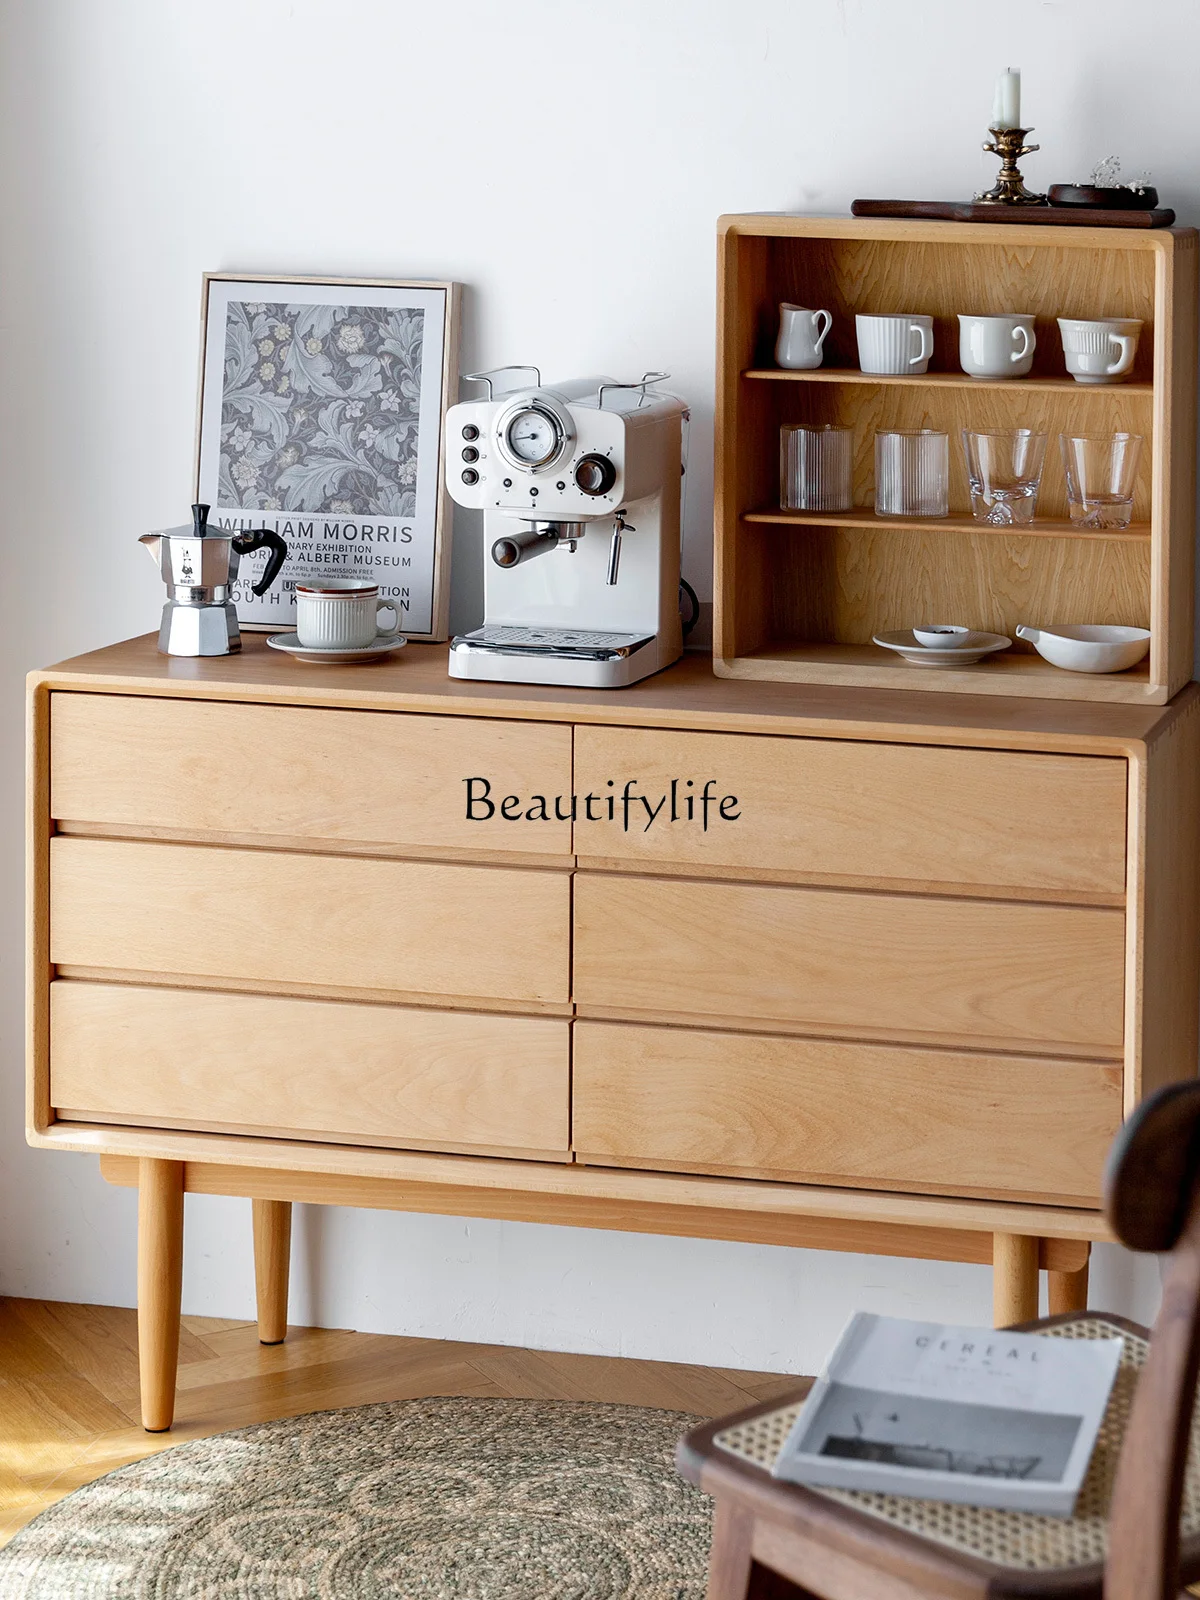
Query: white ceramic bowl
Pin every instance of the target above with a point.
(943, 635)
(1089, 649)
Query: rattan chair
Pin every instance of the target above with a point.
(1135, 1534)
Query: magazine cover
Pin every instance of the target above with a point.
(974, 1415)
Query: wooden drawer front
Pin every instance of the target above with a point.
(366, 777)
(370, 1074)
(828, 1112)
(336, 921)
(978, 971)
(914, 813)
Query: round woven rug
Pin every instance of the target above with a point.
(414, 1500)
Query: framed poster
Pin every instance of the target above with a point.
(321, 409)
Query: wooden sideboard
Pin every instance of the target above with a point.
(886, 983)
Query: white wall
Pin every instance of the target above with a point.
(567, 160)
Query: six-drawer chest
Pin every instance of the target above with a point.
(851, 968)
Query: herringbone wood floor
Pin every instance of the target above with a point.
(69, 1387)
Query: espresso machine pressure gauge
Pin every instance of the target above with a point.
(532, 435)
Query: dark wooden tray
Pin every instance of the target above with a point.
(1044, 216)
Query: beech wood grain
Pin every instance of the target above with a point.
(820, 1111)
(355, 1073)
(303, 774)
(383, 925)
(1033, 822)
(999, 972)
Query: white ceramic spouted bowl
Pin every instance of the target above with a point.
(1089, 648)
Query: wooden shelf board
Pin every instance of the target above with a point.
(941, 380)
(862, 517)
(868, 666)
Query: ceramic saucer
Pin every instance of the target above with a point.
(385, 645)
(978, 645)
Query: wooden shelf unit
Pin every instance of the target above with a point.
(798, 596)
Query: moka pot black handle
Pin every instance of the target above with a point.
(255, 539)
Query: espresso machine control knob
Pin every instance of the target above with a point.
(595, 474)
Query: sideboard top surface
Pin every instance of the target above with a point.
(687, 695)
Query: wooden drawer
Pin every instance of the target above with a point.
(271, 772)
(366, 1074)
(338, 922)
(975, 971)
(821, 1111)
(858, 811)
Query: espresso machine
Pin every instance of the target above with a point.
(199, 564)
(579, 483)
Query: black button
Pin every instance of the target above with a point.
(508, 483)
(560, 486)
(470, 431)
(470, 453)
(470, 475)
(533, 491)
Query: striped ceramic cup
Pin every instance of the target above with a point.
(341, 614)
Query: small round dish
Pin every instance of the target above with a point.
(384, 645)
(1091, 197)
(943, 636)
(1088, 648)
(905, 642)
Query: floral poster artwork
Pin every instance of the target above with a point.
(321, 408)
(321, 418)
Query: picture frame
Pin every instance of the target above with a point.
(320, 415)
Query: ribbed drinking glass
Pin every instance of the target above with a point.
(912, 473)
(814, 467)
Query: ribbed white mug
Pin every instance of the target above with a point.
(1100, 351)
(341, 614)
(894, 344)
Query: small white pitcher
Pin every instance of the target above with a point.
(799, 343)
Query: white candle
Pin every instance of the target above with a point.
(1006, 104)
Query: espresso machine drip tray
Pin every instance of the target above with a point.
(575, 644)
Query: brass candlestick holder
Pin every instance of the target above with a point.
(1009, 188)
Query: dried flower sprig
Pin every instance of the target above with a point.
(1106, 174)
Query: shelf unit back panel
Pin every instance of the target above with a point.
(841, 585)
(867, 408)
(937, 279)
(795, 596)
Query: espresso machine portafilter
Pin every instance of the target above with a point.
(199, 566)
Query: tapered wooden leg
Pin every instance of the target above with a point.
(160, 1281)
(1014, 1278)
(272, 1259)
(1068, 1291)
(730, 1562)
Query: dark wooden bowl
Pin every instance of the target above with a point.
(1074, 194)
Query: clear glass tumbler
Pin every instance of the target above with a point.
(814, 467)
(1004, 469)
(1101, 471)
(912, 473)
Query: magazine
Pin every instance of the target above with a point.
(974, 1415)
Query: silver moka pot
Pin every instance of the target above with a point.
(198, 566)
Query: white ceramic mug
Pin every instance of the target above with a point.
(1100, 351)
(892, 344)
(799, 343)
(996, 347)
(341, 614)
